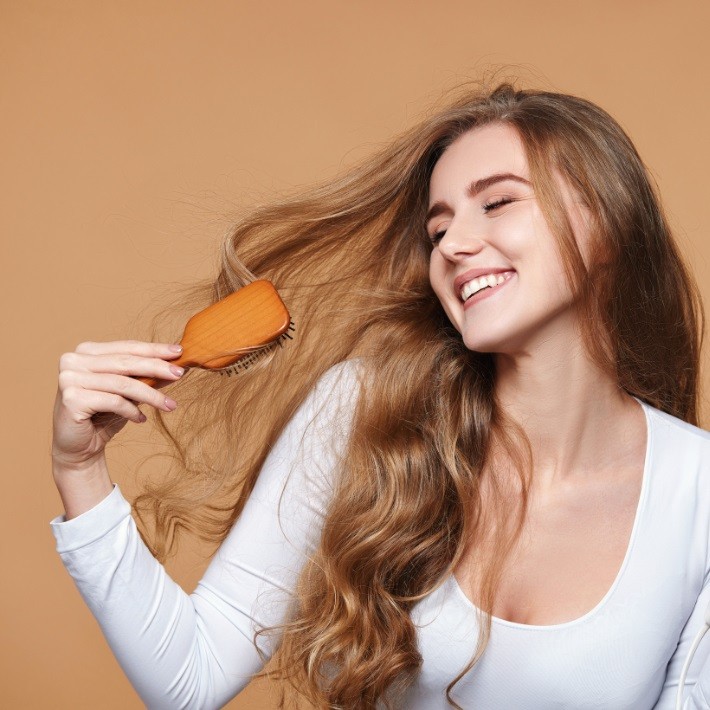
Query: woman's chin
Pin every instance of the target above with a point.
(481, 345)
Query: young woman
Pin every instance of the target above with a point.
(475, 479)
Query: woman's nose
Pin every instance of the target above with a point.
(459, 242)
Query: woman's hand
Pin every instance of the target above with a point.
(96, 396)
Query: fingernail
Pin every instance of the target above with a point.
(175, 348)
(142, 418)
(170, 403)
(176, 370)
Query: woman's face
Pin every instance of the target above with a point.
(483, 217)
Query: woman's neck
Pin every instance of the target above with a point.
(579, 422)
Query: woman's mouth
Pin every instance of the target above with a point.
(488, 291)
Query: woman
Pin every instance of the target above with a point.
(480, 491)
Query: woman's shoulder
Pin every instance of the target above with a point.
(330, 404)
(678, 434)
(678, 426)
(341, 376)
(337, 387)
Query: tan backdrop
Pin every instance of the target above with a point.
(130, 132)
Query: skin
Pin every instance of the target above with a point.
(545, 380)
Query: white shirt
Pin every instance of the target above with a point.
(196, 651)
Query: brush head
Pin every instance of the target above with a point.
(242, 324)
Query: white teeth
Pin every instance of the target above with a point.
(476, 285)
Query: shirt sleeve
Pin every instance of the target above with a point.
(197, 650)
(696, 689)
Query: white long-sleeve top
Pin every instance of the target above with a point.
(196, 650)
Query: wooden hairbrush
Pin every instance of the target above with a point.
(231, 334)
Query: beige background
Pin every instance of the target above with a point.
(131, 130)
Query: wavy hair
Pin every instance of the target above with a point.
(408, 497)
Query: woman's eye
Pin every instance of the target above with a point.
(488, 206)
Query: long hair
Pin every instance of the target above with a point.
(350, 258)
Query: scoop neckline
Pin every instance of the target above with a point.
(597, 609)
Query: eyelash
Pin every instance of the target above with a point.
(487, 207)
(497, 203)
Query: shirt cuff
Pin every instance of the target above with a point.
(92, 524)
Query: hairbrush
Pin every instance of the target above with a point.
(233, 333)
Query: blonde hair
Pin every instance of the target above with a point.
(350, 258)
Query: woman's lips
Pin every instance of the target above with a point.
(487, 292)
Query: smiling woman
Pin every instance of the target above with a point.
(494, 225)
(458, 486)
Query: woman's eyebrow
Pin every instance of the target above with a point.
(473, 189)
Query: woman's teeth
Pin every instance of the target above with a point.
(475, 285)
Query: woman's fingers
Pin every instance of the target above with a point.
(128, 364)
(98, 393)
(131, 347)
(126, 388)
(84, 403)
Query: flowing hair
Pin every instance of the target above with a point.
(350, 258)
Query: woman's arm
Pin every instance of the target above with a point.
(696, 690)
(196, 651)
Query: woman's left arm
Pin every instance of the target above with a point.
(696, 689)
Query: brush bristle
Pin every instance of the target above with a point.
(245, 362)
